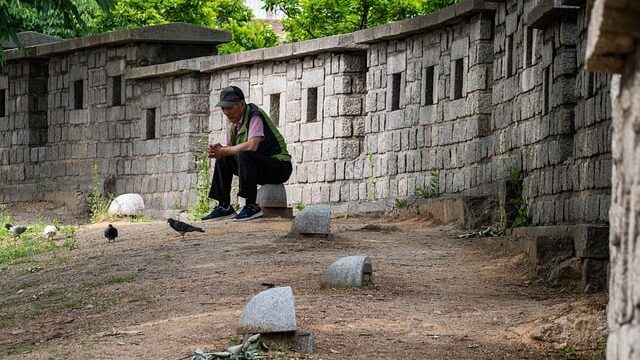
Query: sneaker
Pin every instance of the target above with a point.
(248, 212)
(220, 213)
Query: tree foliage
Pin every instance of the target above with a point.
(53, 17)
(306, 19)
(309, 19)
(128, 14)
(248, 33)
(230, 15)
(74, 18)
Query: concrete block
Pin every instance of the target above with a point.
(313, 220)
(270, 311)
(349, 271)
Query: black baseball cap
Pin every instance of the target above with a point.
(229, 96)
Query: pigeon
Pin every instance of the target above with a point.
(15, 230)
(50, 231)
(182, 227)
(111, 233)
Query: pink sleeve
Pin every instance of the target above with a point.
(256, 128)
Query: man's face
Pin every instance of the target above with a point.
(234, 112)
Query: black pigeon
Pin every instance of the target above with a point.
(15, 230)
(111, 233)
(182, 227)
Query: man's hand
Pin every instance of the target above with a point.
(215, 151)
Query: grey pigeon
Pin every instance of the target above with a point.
(15, 230)
(182, 227)
(111, 233)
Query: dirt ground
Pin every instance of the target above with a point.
(153, 295)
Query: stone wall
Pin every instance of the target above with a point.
(318, 103)
(546, 128)
(480, 99)
(71, 115)
(416, 125)
(613, 48)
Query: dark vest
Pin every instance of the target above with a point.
(272, 145)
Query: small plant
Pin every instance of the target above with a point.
(4, 215)
(98, 204)
(400, 203)
(432, 189)
(371, 187)
(70, 244)
(299, 206)
(203, 179)
(69, 231)
(515, 204)
(522, 216)
(38, 191)
(141, 218)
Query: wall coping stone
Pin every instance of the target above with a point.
(419, 24)
(547, 11)
(30, 38)
(174, 33)
(336, 43)
(168, 69)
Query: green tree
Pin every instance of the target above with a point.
(230, 15)
(309, 19)
(248, 33)
(64, 18)
(54, 20)
(74, 18)
(128, 14)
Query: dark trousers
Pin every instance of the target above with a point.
(252, 169)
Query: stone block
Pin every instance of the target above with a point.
(78, 116)
(313, 220)
(274, 84)
(460, 48)
(127, 205)
(591, 241)
(594, 275)
(350, 106)
(313, 78)
(270, 311)
(353, 62)
(343, 127)
(396, 63)
(348, 149)
(272, 198)
(349, 271)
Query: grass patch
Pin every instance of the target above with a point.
(22, 285)
(20, 348)
(596, 353)
(119, 279)
(58, 260)
(16, 250)
(140, 218)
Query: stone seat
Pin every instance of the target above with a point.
(272, 198)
